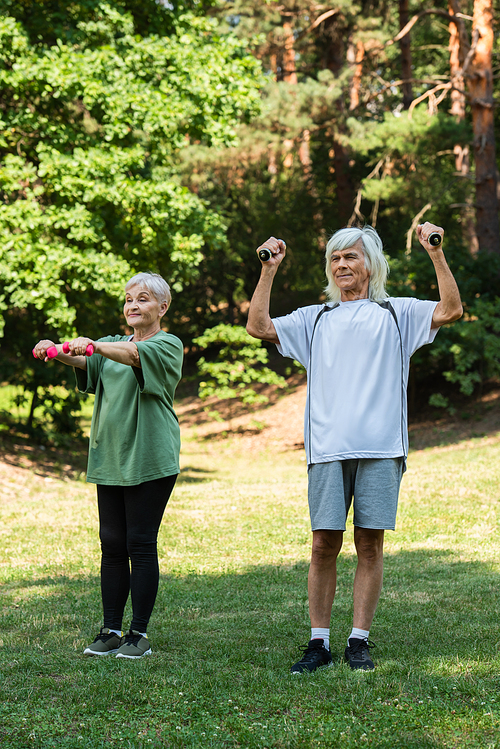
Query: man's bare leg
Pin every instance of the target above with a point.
(322, 579)
(367, 586)
(369, 574)
(321, 585)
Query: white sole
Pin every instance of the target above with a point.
(134, 657)
(88, 651)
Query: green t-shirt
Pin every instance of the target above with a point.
(135, 434)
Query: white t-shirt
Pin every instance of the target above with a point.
(356, 394)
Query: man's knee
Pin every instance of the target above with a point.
(326, 546)
(369, 545)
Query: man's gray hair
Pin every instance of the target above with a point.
(154, 283)
(375, 260)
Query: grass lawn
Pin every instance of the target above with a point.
(231, 613)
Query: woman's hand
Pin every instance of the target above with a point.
(40, 350)
(78, 347)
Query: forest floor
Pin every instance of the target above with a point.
(279, 423)
(276, 425)
(232, 611)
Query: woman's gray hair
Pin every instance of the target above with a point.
(375, 260)
(154, 283)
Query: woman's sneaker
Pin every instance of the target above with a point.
(105, 643)
(134, 645)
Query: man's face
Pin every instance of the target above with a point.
(350, 273)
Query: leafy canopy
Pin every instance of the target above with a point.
(91, 126)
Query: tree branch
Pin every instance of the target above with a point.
(323, 17)
(414, 225)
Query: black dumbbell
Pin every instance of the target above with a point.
(435, 239)
(265, 253)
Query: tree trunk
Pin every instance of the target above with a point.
(345, 191)
(459, 47)
(480, 85)
(34, 404)
(289, 70)
(405, 47)
(355, 56)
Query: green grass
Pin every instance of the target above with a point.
(232, 613)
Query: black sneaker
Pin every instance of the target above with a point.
(315, 655)
(357, 654)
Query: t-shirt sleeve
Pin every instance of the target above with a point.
(294, 333)
(161, 364)
(415, 320)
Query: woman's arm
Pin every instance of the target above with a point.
(40, 351)
(123, 352)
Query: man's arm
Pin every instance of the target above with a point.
(259, 323)
(449, 307)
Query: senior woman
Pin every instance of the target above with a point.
(133, 455)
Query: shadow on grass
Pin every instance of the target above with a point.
(194, 475)
(21, 451)
(222, 648)
(432, 607)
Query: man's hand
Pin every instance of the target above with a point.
(259, 323)
(423, 233)
(277, 248)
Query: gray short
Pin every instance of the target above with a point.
(374, 484)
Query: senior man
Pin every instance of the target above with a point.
(356, 350)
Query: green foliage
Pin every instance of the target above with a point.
(310, 157)
(239, 365)
(476, 356)
(143, 135)
(91, 125)
(438, 400)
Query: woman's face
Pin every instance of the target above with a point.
(142, 309)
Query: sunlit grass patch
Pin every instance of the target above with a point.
(232, 614)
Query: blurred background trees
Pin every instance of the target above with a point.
(176, 137)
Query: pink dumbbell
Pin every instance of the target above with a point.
(52, 351)
(88, 351)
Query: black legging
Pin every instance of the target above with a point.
(130, 518)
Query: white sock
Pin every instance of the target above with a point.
(117, 632)
(359, 634)
(321, 633)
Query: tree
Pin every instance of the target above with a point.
(480, 83)
(93, 117)
(238, 368)
(405, 46)
(348, 140)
